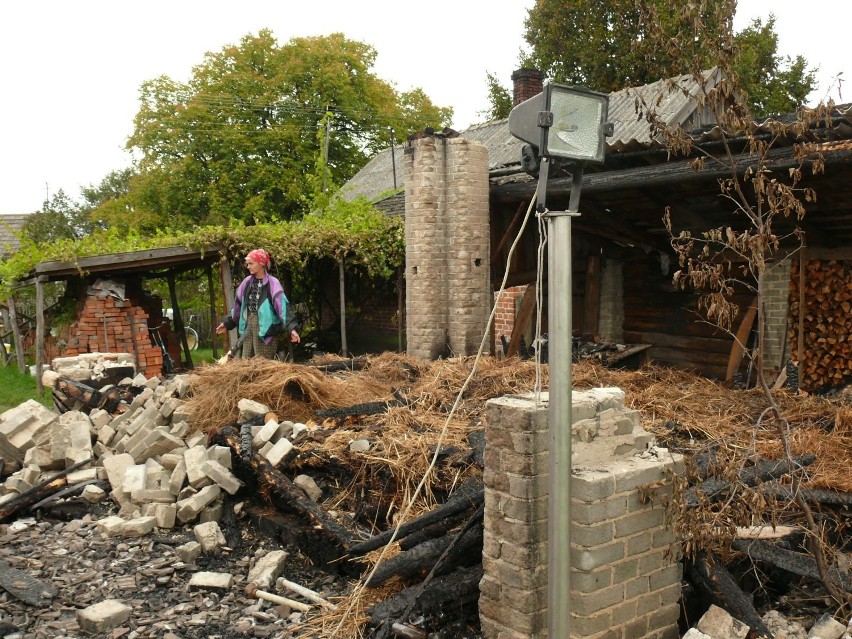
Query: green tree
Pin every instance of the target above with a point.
(606, 45)
(499, 99)
(60, 218)
(238, 141)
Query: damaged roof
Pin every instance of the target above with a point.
(375, 180)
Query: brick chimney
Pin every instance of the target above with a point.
(526, 83)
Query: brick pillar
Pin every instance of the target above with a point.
(448, 294)
(468, 246)
(624, 582)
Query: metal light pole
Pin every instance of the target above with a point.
(578, 117)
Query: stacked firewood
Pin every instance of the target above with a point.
(825, 322)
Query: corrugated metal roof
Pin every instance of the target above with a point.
(631, 132)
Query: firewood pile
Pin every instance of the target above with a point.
(393, 507)
(821, 312)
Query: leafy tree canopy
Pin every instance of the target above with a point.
(605, 45)
(237, 141)
(60, 218)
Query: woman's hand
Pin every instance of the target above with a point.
(220, 329)
(294, 337)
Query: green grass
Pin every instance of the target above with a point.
(16, 388)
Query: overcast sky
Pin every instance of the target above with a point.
(72, 69)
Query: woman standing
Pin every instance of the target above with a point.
(260, 310)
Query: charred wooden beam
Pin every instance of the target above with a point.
(710, 575)
(795, 562)
(457, 587)
(413, 562)
(470, 494)
(280, 490)
(39, 492)
(718, 489)
(813, 496)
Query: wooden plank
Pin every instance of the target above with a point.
(228, 293)
(738, 348)
(522, 321)
(592, 301)
(39, 340)
(129, 261)
(212, 293)
(178, 319)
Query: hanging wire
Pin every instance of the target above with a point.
(539, 297)
(403, 517)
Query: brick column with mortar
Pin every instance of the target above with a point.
(776, 305)
(447, 261)
(625, 579)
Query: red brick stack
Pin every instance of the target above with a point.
(106, 324)
(504, 319)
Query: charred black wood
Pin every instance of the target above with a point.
(443, 560)
(815, 496)
(718, 489)
(476, 440)
(456, 587)
(39, 491)
(367, 408)
(709, 575)
(278, 490)
(795, 562)
(69, 491)
(354, 364)
(469, 495)
(438, 529)
(413, 562)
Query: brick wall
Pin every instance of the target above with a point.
(504, 319)
(624, 581)
(447, 238)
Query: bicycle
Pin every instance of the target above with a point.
(192, 339)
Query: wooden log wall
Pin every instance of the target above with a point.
(658, 314)
(825, 360)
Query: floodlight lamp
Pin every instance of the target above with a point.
(564, 122)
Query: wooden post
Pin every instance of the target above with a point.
(39, 340)
(176, 317)
(16, 333)
(7, 330)
(228, 292)
(213, 321)
(344, 350)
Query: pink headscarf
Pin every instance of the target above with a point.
(260, 256)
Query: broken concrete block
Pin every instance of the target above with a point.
(134, 478)
(14, 484)
(267, 432)
(189, 508)
(79, 476)
(827, 627)
(278, 451)
(716, 622)
(178, 477)
(116, 526)
(198, 439)
(250, 409)
(182, 414)
(30, 474)
(149, 496)
(210, 536)
(359, 446)
(24, 427)
(306, 483)
(212, 512)
(40, 456)
(99, 418)
(116, 467)
(170, 460)
(189, 552)
(165, 515)
(267, 569)
(180, 429)
(93, 494)
(194, 459)
(106, 433)
(221, 476)
(298, 429)
(80, 447)
(215, 580)
(102, 616)
(169, 406)
(221, 454)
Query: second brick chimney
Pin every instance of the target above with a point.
(526, 83)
